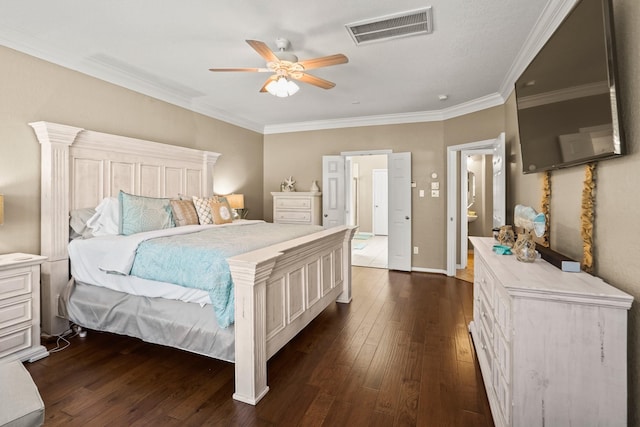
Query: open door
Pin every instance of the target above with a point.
(499, 183)
(333, 191)
(497, 146)
(399, 175)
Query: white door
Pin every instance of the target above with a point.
(499, 183)
(399, 172)
(380, 202)
(333, 191)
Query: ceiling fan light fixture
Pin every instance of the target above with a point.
(282, 87)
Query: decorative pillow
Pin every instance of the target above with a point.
(184, 212)
(140, 213)
(221, 211)
(106, 220)
(78, 223)
(203, 209)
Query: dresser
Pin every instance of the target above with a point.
(20, 307)
(297, 207)
(552, 345)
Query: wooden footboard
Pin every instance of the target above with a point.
(278, 291)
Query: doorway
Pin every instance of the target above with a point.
(338, 185)
(367, 208)
(457, 212)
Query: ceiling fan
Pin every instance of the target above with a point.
(286, 66)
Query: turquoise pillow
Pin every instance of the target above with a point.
(140, 213)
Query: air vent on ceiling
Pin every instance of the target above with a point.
(388, 27)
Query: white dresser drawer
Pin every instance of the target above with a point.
(293, 203)
(502, 351)
(14, 313)
(15, 282)
(15, 340)
(293, 216)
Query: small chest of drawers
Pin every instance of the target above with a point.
(297, 207)
(20, 307)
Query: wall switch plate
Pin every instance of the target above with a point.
(435, 193)
(435, 185)
(421, 193)
(415, 250)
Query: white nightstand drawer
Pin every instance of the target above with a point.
(293, 203)
(15, 341)
(292, 216)
(15, 313)
(15, 282)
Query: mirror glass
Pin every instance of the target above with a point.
(471, 188)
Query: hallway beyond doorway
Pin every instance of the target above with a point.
(370, 252)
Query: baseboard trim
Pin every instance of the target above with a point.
(428, 270)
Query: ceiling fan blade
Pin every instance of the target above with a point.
(325, 61)
(263, 50)
(269, 80)
(254, 70)
(316, 81)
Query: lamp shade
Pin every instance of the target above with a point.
(236, 201)
(1, 209)
(282, 87)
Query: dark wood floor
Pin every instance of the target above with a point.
(399, 354)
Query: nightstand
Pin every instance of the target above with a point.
(297, 207)
(20, 307)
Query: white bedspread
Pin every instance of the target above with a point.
(91, 258)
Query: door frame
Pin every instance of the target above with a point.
(453, 157)
(464, 190)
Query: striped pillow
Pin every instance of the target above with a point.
(184, 212)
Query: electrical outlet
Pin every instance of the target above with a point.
(415, 250)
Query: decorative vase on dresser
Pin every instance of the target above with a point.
(552, 345)
(297, 207)
(20, 307)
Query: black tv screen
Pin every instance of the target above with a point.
(568, 98)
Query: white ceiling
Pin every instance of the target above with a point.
(165, 48)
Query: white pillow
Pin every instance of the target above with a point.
(106, 220)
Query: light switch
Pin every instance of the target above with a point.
(421, 193)
(435, 185)
(435, 193)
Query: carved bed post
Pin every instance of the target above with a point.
(250, 282)
(345, 296)
(209, 159)
(55, 140)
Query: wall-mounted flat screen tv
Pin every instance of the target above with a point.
(568, 98)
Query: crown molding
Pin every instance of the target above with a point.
(553, 14)
(390, 119)
(106, 70)
(103, 69)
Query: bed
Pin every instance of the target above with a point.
(277, 289)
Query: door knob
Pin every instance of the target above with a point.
(326, 215)
(406, 217)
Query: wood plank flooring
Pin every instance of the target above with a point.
(399, 355)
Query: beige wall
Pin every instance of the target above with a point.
(33, 90)
(616, 236)
(300, 154)
(426, 141)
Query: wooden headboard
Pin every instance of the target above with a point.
(81, 167)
